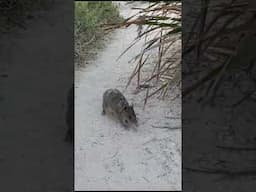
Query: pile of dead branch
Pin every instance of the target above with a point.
(159, 26)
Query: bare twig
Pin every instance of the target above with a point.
(244, 98)
(222, 172)
(231, 148)
(166, 127)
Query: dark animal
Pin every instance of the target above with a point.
(116, 105)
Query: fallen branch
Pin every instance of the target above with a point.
(222, 172)
(166, 127)
(90, 41)
(236, 148)
(244, 98)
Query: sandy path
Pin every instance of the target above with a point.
(106, 155)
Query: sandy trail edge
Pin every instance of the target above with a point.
(107, 156)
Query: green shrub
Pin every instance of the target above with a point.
(89, 15)
(88, 18)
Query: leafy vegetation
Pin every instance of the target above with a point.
(89, 16)
(159, 24)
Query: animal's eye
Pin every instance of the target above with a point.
(125, 108)
(130, 117)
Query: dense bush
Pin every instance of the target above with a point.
(89, 16)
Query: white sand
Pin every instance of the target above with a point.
(108, 157)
